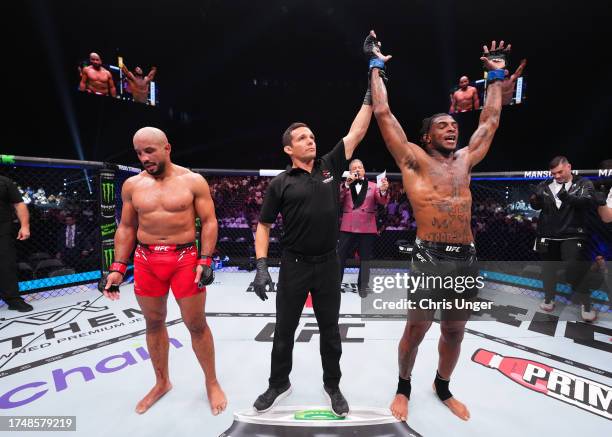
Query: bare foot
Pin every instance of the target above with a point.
(153, 396)
(399, 407)
(457, 408)
(216, 398)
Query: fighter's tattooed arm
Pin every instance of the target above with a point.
(405, 153)
(487, 125)
(491, 111)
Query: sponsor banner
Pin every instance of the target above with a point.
(581, 392)
(108, 223)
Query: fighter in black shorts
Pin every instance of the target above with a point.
(436, 177)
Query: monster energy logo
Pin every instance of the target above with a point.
(109, 255)
(108, 229)
(108, 192)
(7, 159)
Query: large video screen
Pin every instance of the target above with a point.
(467, 95)
(133, 84)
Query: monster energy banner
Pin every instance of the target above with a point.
(108, 224)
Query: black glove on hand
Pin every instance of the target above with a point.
(262, 279)
(102, 284)
(208, 276)
(371, 49)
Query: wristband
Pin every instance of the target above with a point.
(495, 75)
(377, 63)
(119, 267)
(205, 260)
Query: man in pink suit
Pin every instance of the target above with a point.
(359, 198)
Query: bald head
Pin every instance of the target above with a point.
(95, 60)
(153, 150)
(150, 135)
(464, 81)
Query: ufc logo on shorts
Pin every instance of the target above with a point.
(161, 248)
(452, 248)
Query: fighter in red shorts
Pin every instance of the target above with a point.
(160, 206)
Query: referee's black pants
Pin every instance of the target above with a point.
(9, 290)
(297, 276)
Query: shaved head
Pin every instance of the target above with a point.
(95, 60)
(153, 150)
(150, 135)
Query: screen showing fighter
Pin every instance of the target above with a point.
(469, 95)
(119, 81)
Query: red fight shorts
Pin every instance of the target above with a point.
(158, 267)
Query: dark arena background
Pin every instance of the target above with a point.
(223, 80)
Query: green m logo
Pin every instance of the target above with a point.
(109, 256)
(108, 192)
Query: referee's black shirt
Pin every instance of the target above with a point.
(9, 195)
(308, 203)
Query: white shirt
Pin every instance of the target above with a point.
(555, 187)
(70, 236)
(609, 200)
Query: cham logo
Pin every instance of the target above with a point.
(580, 392)
(58, 381)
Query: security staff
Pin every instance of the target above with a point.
(562, 234)
(10, 198)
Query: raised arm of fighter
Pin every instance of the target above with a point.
(149, 77)
(404, 152)
(494, 61)
(127, 72)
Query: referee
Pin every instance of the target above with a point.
(306, 195)
(10, 198)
